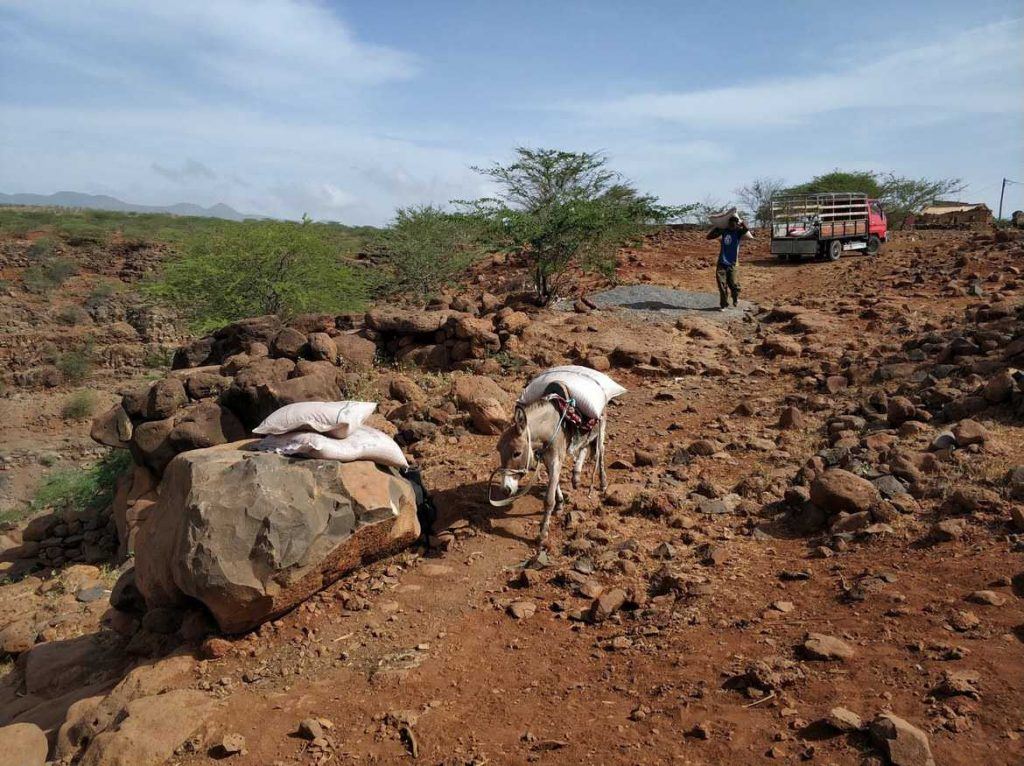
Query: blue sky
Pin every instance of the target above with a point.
(346, 110)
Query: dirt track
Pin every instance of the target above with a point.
(435, 652)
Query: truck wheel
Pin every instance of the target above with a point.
(874, 243)
(835, 249)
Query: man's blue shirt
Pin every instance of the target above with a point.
(729, 253)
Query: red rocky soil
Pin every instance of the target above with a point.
(673, 623)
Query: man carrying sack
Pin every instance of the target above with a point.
(727, 269)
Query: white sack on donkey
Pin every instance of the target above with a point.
(591, 390)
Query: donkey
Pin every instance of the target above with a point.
(539, 434)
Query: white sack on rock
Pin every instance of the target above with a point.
(335, 419)
(364, 443)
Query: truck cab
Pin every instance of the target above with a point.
(878, 225)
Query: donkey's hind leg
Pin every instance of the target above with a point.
(577, 467)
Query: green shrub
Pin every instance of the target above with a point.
(79, 406)
(427, 248)
(158, 356)
(47, 275)
(82, 489)
(100, 294)
(70, 315)
(261, 267)
(42, 248)
(76, 364)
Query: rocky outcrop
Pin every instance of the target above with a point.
(446, 338)
(251, 534)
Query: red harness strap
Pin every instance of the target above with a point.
(568, 412)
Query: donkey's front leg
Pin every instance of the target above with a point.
(553, 499)
(600, 454)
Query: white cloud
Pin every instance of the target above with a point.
(972, 72)
(275, 48)
(190, 169)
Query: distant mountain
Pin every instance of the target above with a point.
(104, 202)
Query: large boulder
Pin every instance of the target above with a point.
(228, 340)
(113, 428)
(406, 322)
(288, 343)
(150, 729)
(488, 406)
(151, 443)
(322, 347)
(837, 490)
(165, 398)
(205, 384)
(247, 398)
(355, 352)
(205, 425)
(308, 388)
(90, 717)
(252, 534)
(23, 744)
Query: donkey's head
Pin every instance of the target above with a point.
(514, 452)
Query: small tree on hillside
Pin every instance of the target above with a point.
(258, 267)
(756, 197)
(563, 208)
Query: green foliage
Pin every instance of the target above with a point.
(47, 275)
(903, 196)
(863, 181)
(427, 248)
(70, 315)
(42, 248)
(100, 294)
(158, 356)
(76, 364)
(899, 195)
(565, 208)
(79, 405)
(82, 489)
(262, 267)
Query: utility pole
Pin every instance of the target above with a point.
(1002, 191)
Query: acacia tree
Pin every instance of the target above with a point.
(562, 208)
(756, 197)
(903, 196)
(899, 195)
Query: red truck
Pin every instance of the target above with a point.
(824, 225)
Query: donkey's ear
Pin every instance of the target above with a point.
(520, 419)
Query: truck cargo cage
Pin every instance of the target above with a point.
(821, 216)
